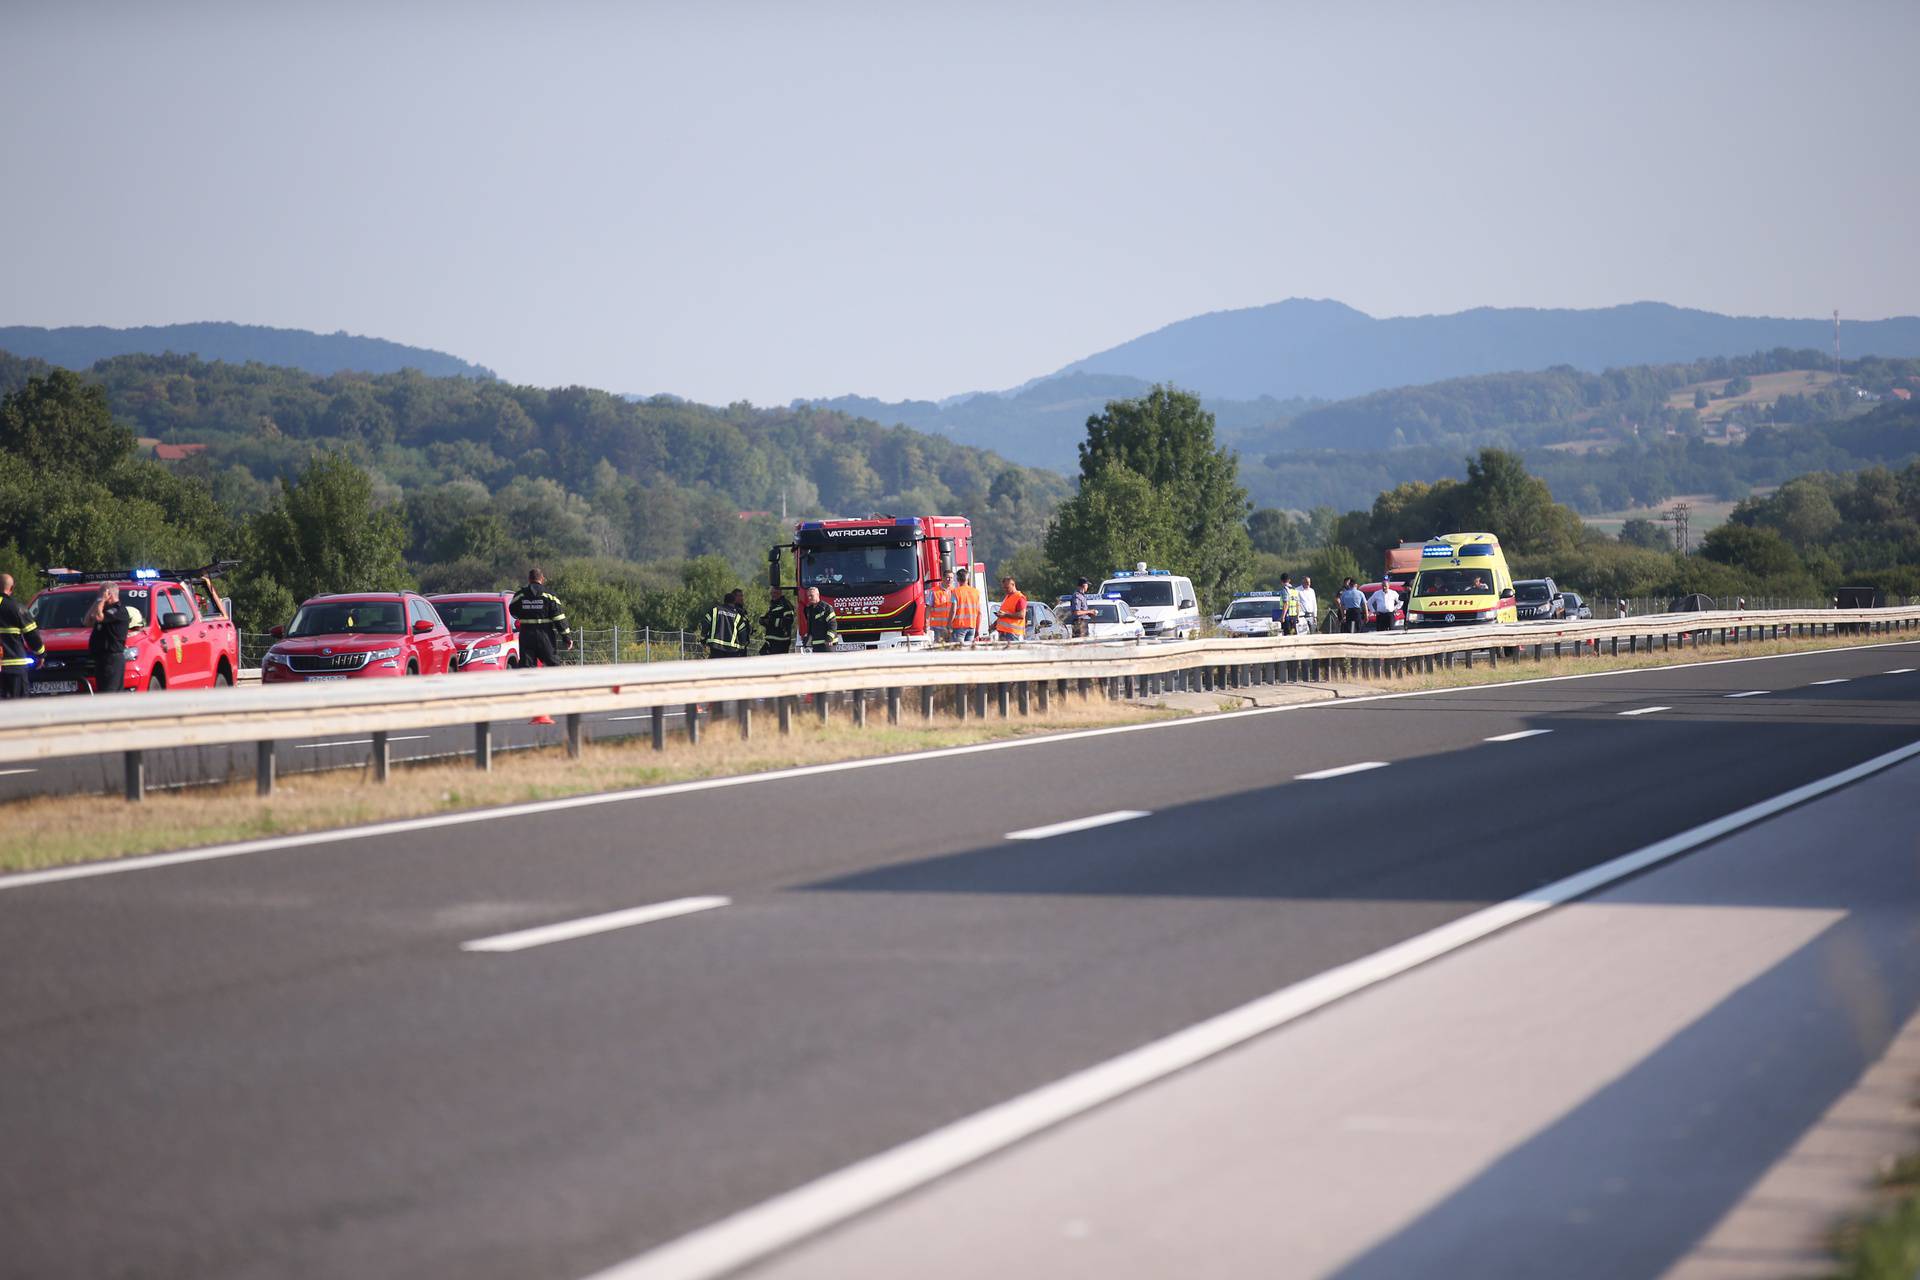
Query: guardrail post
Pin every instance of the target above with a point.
(693, 723)
(785, 709)
(483, 746)
(823, 706)
(859, 697)
(1046, 696)
(743, 715)
(1431, 663)
(263, 761)
(1025, 690)
(926, 702)
(573, 735)
(1469, 657)
(135, 765)
(893, 706)
(1000, 698)
(960, 702)
(381, 757)
(980, 702)
(659, 728)
(1086, 689)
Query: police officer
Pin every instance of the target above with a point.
(20, 642)
(1289, 605)
(777, 622)
(823, 625)
(724, 629)
(1353, 608)
(107, 646)
(543, 622)
(1080, 609)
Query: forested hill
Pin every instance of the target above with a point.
(493, 472)
(79, 347)
(1312, 348)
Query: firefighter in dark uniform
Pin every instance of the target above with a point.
(20, 642)
(823, 625)
(543, 622)
(107, 646)
(777, 622)
(724, 629)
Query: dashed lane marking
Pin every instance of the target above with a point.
(1343, 770)
(1515, 737)
(588, 925)
(1644, 711)
(1077, 824)
(1751, 693)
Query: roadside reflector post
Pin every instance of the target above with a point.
(1026, 701)
(786, 713)
(693, 722)
(980, 702)
(743, 716)
(483, 746)
(263, 760)
(135, 763)
(382, 756)
(893, 706)
(573, 735)
(659, 728)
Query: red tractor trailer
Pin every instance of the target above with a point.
(878, 573)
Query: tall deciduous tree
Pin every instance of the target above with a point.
(60, 423)
(1150, 470)
(323, 533)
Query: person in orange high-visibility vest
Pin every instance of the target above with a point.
(940, 611)
(966, 609)
(1011, 624)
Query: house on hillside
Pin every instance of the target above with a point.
(1901, 393)
(176, 452)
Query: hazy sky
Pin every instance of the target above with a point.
(769, 200)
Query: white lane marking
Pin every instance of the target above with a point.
(1751, 693)
(1818, 682)
(357, 742)
(345, 835)
(588, 925)
(1077, 824)
(1643, 711)
(1898, 671)
(1342, 771)
(1515, 737)
(7, 773)
(756, 1232)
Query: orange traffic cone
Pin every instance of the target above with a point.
(541, 720)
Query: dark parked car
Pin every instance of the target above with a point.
(1573, 607)
(1538, 600)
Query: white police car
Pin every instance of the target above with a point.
(1163, 601)
(1253, 613)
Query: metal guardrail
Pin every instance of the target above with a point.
(52, 728)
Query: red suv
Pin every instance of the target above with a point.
(363, 633)
(178, 634)
(485, 636)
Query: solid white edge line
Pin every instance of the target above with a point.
(586, 926)
(1642, 711)
(786, 1219)
(343, 835)
(1515, 737)
(1340, 772)
(1751, 693)
(1899, 671)
(1812, 683)
(1077, 824)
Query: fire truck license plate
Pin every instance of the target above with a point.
(54, 686)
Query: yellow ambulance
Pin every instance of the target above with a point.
(1463, 579)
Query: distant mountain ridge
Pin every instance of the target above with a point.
(1257, 367)
(79, 346)
(1327, 350)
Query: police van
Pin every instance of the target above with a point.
(1163, 601)
(1463, 580)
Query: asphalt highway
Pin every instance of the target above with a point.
(294, 1063)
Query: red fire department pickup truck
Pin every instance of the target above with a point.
(180, 634)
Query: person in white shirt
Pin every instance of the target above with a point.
(1384, 602)
(1309, 606)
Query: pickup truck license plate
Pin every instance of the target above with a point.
(54, 686)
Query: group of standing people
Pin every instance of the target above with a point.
(1356, 607)
(724, 631)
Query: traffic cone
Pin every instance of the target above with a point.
(541, 720)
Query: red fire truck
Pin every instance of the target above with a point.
(877, 573)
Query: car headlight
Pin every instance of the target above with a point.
(1487, 615)
(485, 653)
(392, 651)
(275, 658)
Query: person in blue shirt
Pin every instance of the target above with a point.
(1353, 608)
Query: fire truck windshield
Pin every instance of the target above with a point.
(870, 566)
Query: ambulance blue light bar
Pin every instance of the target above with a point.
(1436, 551)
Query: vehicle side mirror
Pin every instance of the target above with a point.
(173, 621)
(1507, 594)
(277, 632)
(773, 567)
(421, 624)
(1188, 604)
